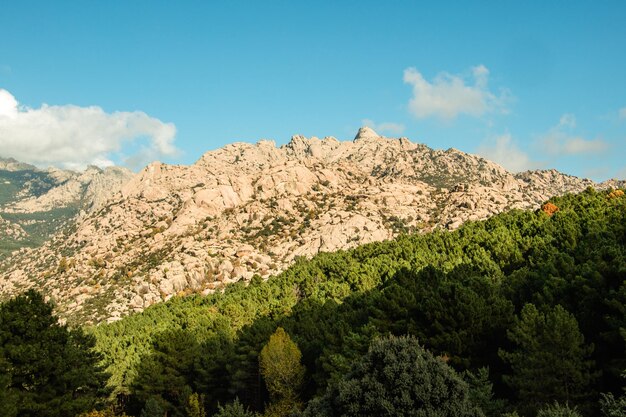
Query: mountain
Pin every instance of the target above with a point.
(36, 204)
(252, 209)
(458, 292)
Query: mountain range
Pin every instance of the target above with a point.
(36, 204)
(105, 243)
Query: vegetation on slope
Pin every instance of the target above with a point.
(46, 370)
(522, 301)
(38, 226)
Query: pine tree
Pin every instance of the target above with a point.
(234, 409)
(153, 408)
(166, 372)
(47, 369)
(549, 362)
(195, 406)
(612, 406)
(558, 410)
(8, 398)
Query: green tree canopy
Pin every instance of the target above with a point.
(153, 408)
(457, 292)
(558, 410)
(397, 377)
(612, 406)
(166, 372)
(549, 362)
(195, 406)
(282, 371)
(46, 369)
(234, 409)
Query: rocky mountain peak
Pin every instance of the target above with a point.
(251, 209)
(10, 164)
(366, 133)
(298, 146)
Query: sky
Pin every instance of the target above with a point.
(527, 84)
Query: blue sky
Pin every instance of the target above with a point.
(522, 83)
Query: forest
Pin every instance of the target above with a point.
(523, 314)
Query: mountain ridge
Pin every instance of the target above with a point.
(37, 203)
(251, 209)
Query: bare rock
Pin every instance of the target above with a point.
(248, 209)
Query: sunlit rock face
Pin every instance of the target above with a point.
(249, 209)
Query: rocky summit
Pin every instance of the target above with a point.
(246, 210)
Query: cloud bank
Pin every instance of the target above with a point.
(73, 137)
(622, 113)
(448, 96)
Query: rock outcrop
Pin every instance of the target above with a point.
(246, 210)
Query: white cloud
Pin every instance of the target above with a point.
(504, 151)
(567, 120)
(448, 95)
(622, 113)
(574, 145)
(559, 140)
(8, 105)
(74, 137)
(388, 127)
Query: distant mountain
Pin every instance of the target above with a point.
(252, 209)
(36, 204)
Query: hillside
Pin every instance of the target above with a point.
(246, 210)
(462, 294)
(36, 204)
